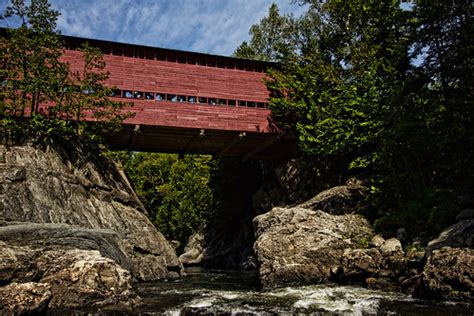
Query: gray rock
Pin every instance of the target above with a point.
(61, 236)
(377, 241)
(85, 279)
(52, 277)
(391, 246)
(302, 246)
(24, 299)
(465, 214)
(456, 236)
(70, 184)
(449, 275)
(338, 200)
(194, 250)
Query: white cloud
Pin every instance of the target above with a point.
(209, 26)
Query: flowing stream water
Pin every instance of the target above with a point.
(237, 293)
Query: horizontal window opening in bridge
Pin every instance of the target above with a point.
(212, 101)
(149, 96)
(171, 97)
(140, 95)
(160, 97)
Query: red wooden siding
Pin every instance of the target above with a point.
(152, 75)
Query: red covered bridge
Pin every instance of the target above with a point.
(189, 102)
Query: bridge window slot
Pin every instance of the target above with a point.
(258, 68)
(128, 94)
(202, 100)
(171, 97)
(160, 97)
(117, 51)
(222, 102)
(181, 59)
(128, 53)
(160, 57)
(192, 99)
(201, 62)
(138, 95)
(231, 102)
(249, 67)
(211, 63)
(240, 66)
(251, 104)
(212, 101)
(260, 105)
(241, 103)
(181, 98)
(149, 95)
(140, 54)
(115, 93)
(220, 64)
(191, 60)
(230, 65)
(171, 59)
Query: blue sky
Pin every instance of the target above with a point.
(208, 26)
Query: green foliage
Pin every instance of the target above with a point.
(35, 82)
(385, 91)
(175, 190)
(271, 39)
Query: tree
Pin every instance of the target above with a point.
(386, 92)
(175, 190)
(270, 40)
(37, 84)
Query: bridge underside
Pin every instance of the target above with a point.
(248, 145)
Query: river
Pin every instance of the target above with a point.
(237, 293)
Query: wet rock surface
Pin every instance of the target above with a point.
(302, 246)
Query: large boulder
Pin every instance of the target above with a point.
(337, 200)
(50, 277)
(301, 246)
(449, 275)
(66, 183)
(194, 250)
(458, 235)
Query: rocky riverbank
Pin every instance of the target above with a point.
(73, 234)
(321, 240)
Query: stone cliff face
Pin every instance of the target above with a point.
(68, 184)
